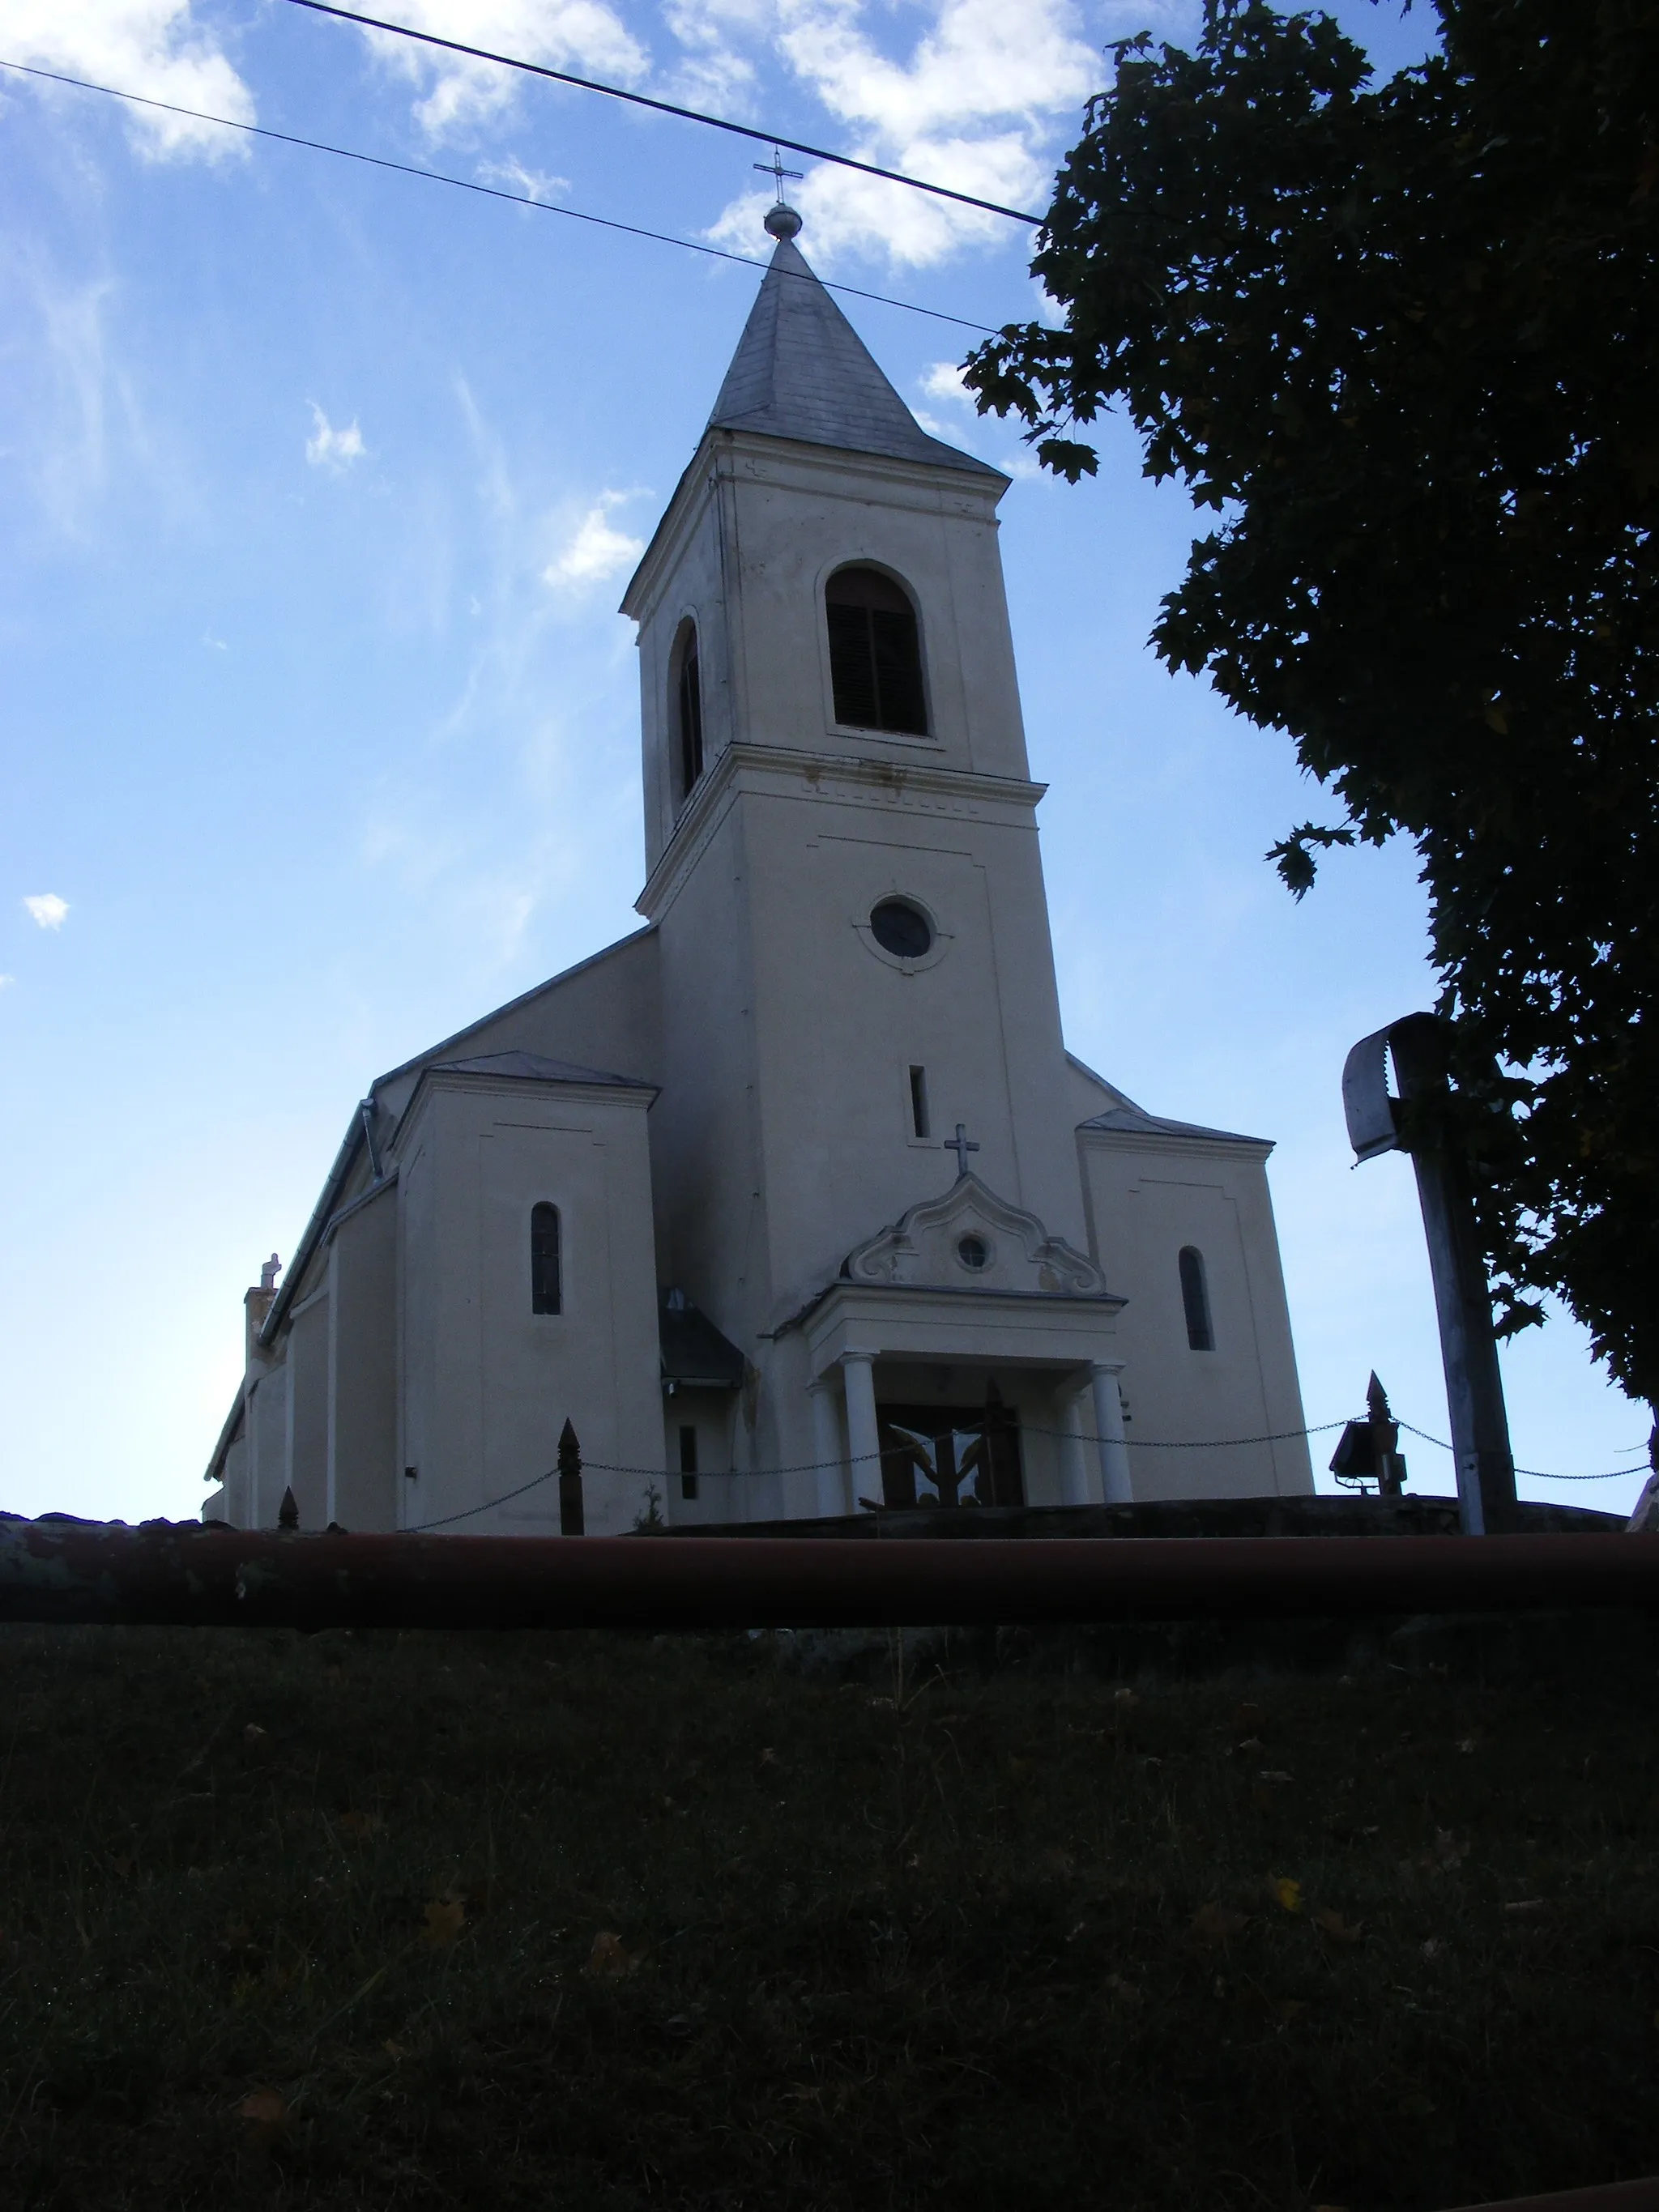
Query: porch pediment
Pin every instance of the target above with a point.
(971, 1240)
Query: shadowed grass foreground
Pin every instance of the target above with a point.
(593, 1921)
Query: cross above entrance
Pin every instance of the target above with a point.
(961, 1145)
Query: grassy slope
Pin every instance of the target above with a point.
(851, 1953)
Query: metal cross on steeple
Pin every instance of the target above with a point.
(775, 170)
(961, 1145)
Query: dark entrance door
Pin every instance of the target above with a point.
(951, 1454)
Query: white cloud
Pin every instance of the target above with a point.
(152, 47)
(944, 381)
(512, 176)
(982, 103)
(981, 59)
(332, 449)
(597, 548)
(6, 982)
(47, 910)
(458, 94)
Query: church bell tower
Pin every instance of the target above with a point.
(840, 827)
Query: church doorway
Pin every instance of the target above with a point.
(951, 1454)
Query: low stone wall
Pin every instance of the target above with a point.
(1188, 1517)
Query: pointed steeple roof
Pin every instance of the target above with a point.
(802, 371)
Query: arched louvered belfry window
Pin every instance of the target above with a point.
(546, 1277)
(687, 708)
(875, 653)
(1195, 1300)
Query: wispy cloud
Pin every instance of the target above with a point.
(45, 909)
(332, 449)
(512, 176)
(596, 549)
(153, 47)
(459, 94)
(713, 71)
(979, 103)
(6, 982)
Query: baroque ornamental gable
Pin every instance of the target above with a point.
(970, 1239)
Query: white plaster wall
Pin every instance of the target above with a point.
(783, 1136)
(362, 1413)
(690, 579)
(232, 1500)
(712, 1235)
(840, 1022)
(267, 1437)
(721, 1495)
(798, 514)
(487, 1383)
(418, 1339)
(602, 1013)
(1146, 1202)
(756, 528)
(306, 1368)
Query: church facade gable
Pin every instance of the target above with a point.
(971, 1239)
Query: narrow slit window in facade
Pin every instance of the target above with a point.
(918, 1102)
(875, 653)
(687, 1460)
(688, 708)
(1195, 1300)
(546, 1283)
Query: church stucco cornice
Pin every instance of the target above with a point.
(871, 781)
(1148, 1134)
(729, 455)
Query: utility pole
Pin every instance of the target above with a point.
(1462, 1296)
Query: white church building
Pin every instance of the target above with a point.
(793, 1202)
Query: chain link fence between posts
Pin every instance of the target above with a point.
(1027, 1428)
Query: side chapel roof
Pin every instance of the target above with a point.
(1126, 1119)
(802, 371)
(535, 1067)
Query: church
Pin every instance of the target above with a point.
(793, 1202)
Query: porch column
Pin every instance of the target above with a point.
(863, 1436)
(1109, 1427)
(830, 1477)
(1075, 1487)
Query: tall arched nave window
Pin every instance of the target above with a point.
(546, 1275)
(1195, 1300)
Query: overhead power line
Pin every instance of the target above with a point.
(668, 107)
(485, 192)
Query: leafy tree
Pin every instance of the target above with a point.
(1401, 338)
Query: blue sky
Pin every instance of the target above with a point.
(320, 727)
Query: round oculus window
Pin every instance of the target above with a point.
(973, 1252)
(901, 929)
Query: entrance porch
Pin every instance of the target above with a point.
(953, 1399)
